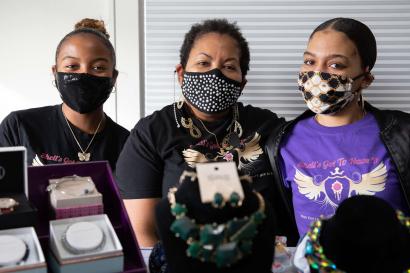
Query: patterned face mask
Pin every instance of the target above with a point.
(210, 92)
(326, 93)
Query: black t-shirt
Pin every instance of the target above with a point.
(157, 152)
(45, 134)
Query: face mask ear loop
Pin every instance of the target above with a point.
(175, 104)
(360, 75)
(361, 102)
(359, 90)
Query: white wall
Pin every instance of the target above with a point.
(30, 31)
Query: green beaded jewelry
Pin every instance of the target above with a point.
(223, 244)
(314, 252)
(235, 200)
(218, 202)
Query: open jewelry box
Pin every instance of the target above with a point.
(15, 209)
(101, 174)
(20, 251)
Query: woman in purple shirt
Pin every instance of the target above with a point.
(342, 146)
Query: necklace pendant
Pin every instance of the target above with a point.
(84, 156)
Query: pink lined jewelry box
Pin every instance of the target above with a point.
(100, 171)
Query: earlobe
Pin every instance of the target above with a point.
(179, 70)
(114, 75)
(54, 71)
(369, 78)
(243, 83)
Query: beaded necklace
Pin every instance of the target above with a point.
(223, 244)
(315, 253)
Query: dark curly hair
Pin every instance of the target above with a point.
(220, 26)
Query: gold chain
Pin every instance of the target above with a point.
(75, 138)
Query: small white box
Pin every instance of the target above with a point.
(59, 199)
(106, 258)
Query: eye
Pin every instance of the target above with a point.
(99, 68)
(308, 62)
(337, 66)
(203, 63)
(230, 67)
(71, 66)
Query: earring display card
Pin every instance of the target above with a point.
(20, 251)
(85, 244)
(221, 178)
(15, 209)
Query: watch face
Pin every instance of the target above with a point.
(82, 237)
(13, 250)
(7, 203)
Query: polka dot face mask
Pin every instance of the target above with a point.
(210, 92)
(326, 93)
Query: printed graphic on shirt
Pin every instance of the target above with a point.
(245, 154)
(37, 161)
(45, 158)
(337, 186)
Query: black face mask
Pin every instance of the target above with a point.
(83, 92)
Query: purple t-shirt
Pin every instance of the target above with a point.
(325, 165)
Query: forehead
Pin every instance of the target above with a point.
(215, 43)
(330, 42)
(84, 45)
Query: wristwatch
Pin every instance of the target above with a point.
(83, 237)
(7, 205)
(13, 251)
(74, 186)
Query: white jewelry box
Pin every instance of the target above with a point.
(20, 251)
(85, 244)
(72, 191)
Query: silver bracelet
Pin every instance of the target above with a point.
(74, 186)
(13, 251)
(78, 238)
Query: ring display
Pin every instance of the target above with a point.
(7, 205)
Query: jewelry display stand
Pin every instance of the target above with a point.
(185, 255)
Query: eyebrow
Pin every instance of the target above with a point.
(229, 59)
(96, 60)
(203, 53)
(232, 59)
(69, 57)
(330, 56)
(101, 59)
